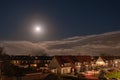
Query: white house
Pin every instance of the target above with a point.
(61, 64)
(69, 64)
(100, 62)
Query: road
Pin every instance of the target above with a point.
(34, 76)
(91, 77)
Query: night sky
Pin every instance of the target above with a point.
(60, 18)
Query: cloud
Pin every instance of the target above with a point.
(108, 43)
(22, 48)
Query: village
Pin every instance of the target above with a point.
(59, 39)
(84, 66)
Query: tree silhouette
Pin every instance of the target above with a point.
(3, 55)
(11, 70)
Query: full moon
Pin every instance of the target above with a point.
(37, 28)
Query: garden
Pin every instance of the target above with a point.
(114, 74)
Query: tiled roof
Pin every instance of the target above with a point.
(107, 57)
(84, 58)
(110, 57)
(73, 59)
(63, 59)
(23, 57)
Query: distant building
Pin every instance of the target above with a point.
(40, 62)
(65, 64)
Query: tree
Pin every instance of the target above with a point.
(1, 51)
(7, 69)
(11, 70)
(3, 55)
(102, 75)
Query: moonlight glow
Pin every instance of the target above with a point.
(37, 28)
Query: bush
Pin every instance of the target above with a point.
(113, 75)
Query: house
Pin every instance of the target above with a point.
(100, 62)
(21, 61)
(40, 62)
(107, 61)
(69, 64)
(117, 63)
(44, 62)
(112, 61)
(61, 64)
(81, 62)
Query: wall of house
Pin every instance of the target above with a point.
(116, 63)
(78, 68)
(16, 62)
(100, 62)
(65, 70)
(54, 65)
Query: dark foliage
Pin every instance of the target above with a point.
(10, 70)
(63, 77)
(52, 77)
